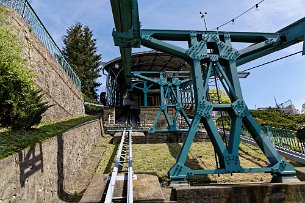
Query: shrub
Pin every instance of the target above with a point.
(93, 110)
(21, 105)
(301, 134)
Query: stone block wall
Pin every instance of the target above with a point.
(50, 171)
(148, 115)
(57, 87)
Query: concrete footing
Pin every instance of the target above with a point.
(153, 138)
(300, 173)
(146, 188)
(260, 192)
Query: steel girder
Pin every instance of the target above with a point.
(170, 97)
(144, 88)
(223, 61)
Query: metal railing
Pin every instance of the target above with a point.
(25, 10)
(283, 139)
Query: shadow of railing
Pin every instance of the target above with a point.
(29, 163)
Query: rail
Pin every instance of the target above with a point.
(25, 10)
(124, 156)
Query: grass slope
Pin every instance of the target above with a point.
(12, 142)
(278, 119)
(159, 158)
(272, 117)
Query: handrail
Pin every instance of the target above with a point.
(28, 14)
(283, 138)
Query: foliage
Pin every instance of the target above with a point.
(224, 98)
(301, 134)
(93, 110)
(81, 53)
(11, 142)
(273, 117)
(276, 118)
(21, 106)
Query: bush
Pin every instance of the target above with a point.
(93, 110)
(301, 134)
(21, 106)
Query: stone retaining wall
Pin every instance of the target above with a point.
(51, 171)
(57, 87)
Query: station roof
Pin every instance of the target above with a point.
(153, 61)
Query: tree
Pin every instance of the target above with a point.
(303, 108)
(224, 98)
(21, 105)
(81, 53)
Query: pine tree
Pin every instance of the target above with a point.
(81, 53)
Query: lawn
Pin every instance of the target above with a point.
(12, 142)
(159, 158)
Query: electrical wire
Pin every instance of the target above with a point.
(233, 19)
(272, 61)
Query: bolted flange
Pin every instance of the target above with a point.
(204, 108)
(232, 164)
(240, 108)
(179, 171)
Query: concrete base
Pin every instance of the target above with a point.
(285, 179)
(153, 138)
(300, 173)
(146, 188)
(95, 190)
(137, 138)
(260, 192)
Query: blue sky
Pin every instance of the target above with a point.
(284, 79)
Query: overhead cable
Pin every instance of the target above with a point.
(272, 61)
(233, 19)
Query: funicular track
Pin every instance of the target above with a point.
(122, 170)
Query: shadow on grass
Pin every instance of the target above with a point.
(111, 160)
(252, 158)
(175, 149)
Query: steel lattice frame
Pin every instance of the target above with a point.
(222, 60)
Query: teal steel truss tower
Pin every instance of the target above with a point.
(209, 53)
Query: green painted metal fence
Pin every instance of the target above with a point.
(30, 17)
(283, 138)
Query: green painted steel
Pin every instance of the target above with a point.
(127, 33)
(25, 10)
(144, 87)
(223, 60)
(170, 97)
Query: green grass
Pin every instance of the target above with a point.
(107, 162)
(159, 158)
(12, 142)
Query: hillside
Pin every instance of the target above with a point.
(278, 119)
(274, 118)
